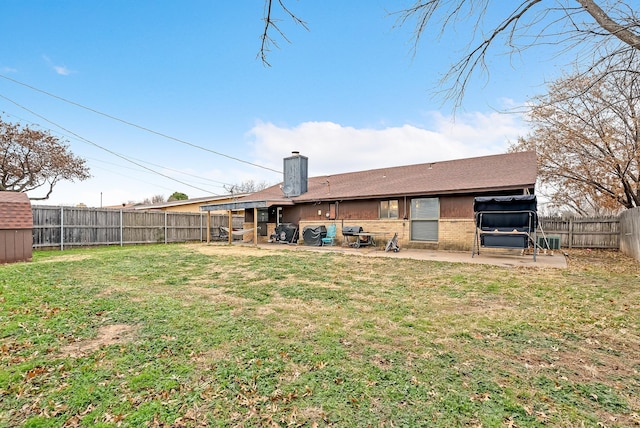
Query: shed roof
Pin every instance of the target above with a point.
(510, 171)
(15, 211)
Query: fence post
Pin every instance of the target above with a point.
(121, 230)
(166, 228)
(570, 232)
(61, 228)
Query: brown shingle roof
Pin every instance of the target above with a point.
(511, 171)
(15, 211)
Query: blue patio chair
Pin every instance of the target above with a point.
(331, 235)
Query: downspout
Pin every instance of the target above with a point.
(405, 216)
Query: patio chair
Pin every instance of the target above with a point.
(331, 235)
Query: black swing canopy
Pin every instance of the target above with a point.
(505, 222)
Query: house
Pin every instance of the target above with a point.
(429, 205)
(16, 227)
(190, 205)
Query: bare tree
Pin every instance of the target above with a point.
(32, 159)
(582, 25)
(607, 28)
(248, 186)
(586, 132)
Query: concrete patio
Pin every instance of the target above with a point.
(505, 258)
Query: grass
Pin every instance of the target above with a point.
(197, 335)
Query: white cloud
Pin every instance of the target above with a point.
(333, 148)
(62, 70)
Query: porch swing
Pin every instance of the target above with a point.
(505, 222)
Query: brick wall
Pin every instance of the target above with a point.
(454, 234)
(383, 229)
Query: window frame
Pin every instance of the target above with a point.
(425, 221)
(389, 210)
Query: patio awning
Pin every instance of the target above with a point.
(245, 205)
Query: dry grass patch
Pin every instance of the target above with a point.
(227, 250)
(66, 258)
(107, 335)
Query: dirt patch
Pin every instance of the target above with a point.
(66, 258)
(207, 360)
(214, 295)
(232, 250)
(475, 306)
(286, 314)
(107, 335)
(264, 250)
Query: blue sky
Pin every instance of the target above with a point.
(349, 94)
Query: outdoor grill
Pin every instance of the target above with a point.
(351, 230)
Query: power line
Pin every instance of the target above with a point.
(220, 184)
(182, 172)
(130, 157)
(137, 126)
(135, 178)
(104, 148)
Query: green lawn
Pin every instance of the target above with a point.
(197, 335)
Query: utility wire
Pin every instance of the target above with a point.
(134, 178)
(220, 184)
(137, 126)
(182, 172)
(104, 148)
(131, 157)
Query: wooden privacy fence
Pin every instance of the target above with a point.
(73, 226)
(579, 232)
(70, 226)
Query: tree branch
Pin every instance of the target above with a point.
(606, 22)
(269, 22)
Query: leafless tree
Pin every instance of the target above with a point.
(31, 159)
(586, 132)
(597, 28)
(607, 30)
(155, 199)
(248, 186)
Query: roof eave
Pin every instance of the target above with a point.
(420, 193)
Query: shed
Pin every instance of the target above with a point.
(16, 227)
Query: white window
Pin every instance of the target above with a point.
(389, 209)
(425, 213)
